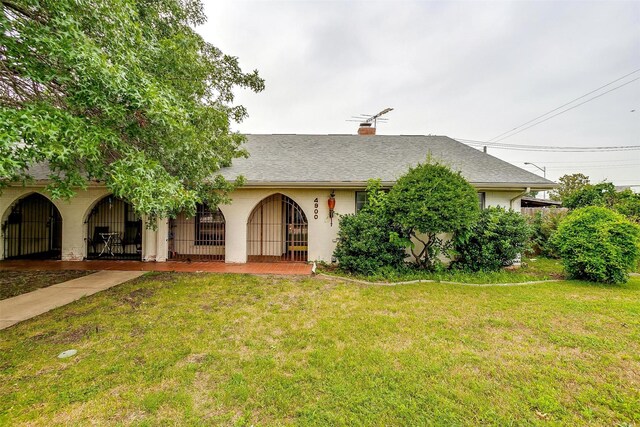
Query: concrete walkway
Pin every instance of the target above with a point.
(26, 306)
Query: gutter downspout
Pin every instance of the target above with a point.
(528, 189)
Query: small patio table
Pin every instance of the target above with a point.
(109, 239)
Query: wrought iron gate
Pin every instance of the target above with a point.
(277, 230)
(114, 231)
(33, 229)
(198, 238)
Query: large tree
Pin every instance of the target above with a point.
(123, 92)
(569, 184)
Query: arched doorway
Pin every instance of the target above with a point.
(201, 237)
(33, 229)
(114, 231)
(277, 230)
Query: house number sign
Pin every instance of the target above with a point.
(315, 208)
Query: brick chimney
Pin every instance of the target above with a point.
(366, 129)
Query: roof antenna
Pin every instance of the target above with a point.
(366, 120)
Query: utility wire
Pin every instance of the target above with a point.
(564, 105)
(557, 148)
(568, 109)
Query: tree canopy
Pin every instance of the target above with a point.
(602, 194)
(123, 92)
(569, 183)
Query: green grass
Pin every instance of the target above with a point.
(178, 349)
(534, 269)
(13, 283)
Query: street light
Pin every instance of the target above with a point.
(544, 174)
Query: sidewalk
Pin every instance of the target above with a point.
(25, 306)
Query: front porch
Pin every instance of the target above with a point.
(274, 268)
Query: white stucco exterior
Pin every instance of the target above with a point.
(321, 235)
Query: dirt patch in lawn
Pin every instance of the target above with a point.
(14, 283)
(138, 296)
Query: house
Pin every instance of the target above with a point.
(281, 213)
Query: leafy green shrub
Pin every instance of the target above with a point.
(543, 226)
(628, 204)
(368, 240)
(494, 241)
(427, 201)
(602, 194)
(598, 244)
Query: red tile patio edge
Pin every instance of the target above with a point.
(276, 268)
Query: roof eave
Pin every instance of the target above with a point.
(362, 184)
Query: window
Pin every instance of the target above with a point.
(209, 227)
(361, 200)
(481, 199)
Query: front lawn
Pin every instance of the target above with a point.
(184, 349)
(13, 283)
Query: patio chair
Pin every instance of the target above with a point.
(97, 238)
(132, 235)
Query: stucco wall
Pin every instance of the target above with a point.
(74, 229)
(322, 236)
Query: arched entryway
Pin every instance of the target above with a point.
(277, 230)
(201, 237)
(33, 229)
(114, 231)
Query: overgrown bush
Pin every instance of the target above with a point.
(543, 226)
(494, 241)
(428, 201)
(368, 240)
(598, 244)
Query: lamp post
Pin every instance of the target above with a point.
(544, 174)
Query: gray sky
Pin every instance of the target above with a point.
(463, 69)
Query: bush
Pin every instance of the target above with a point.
(602, 194)
(431, 200)
(368, 241)
(598, 244)
(543, 226)
(628, 204)
(494, 241)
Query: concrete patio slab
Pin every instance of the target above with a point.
(22, 307)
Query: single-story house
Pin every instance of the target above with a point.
(281, 213)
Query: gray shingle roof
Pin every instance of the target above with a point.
(316, 159)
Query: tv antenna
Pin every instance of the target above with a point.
(371, 118)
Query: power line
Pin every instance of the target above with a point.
(572, 162)
(557, 148)
(568, 109)
(588, 167)
(564, 105)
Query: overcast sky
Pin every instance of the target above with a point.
(463, 69)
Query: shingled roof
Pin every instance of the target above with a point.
(354, 159)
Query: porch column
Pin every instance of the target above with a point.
(149, 241)
(162, 245)
(74, 245)
(235, 233)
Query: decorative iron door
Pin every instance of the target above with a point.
(33, 230)
(277, 230)
(114, 231)
(197, 238)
